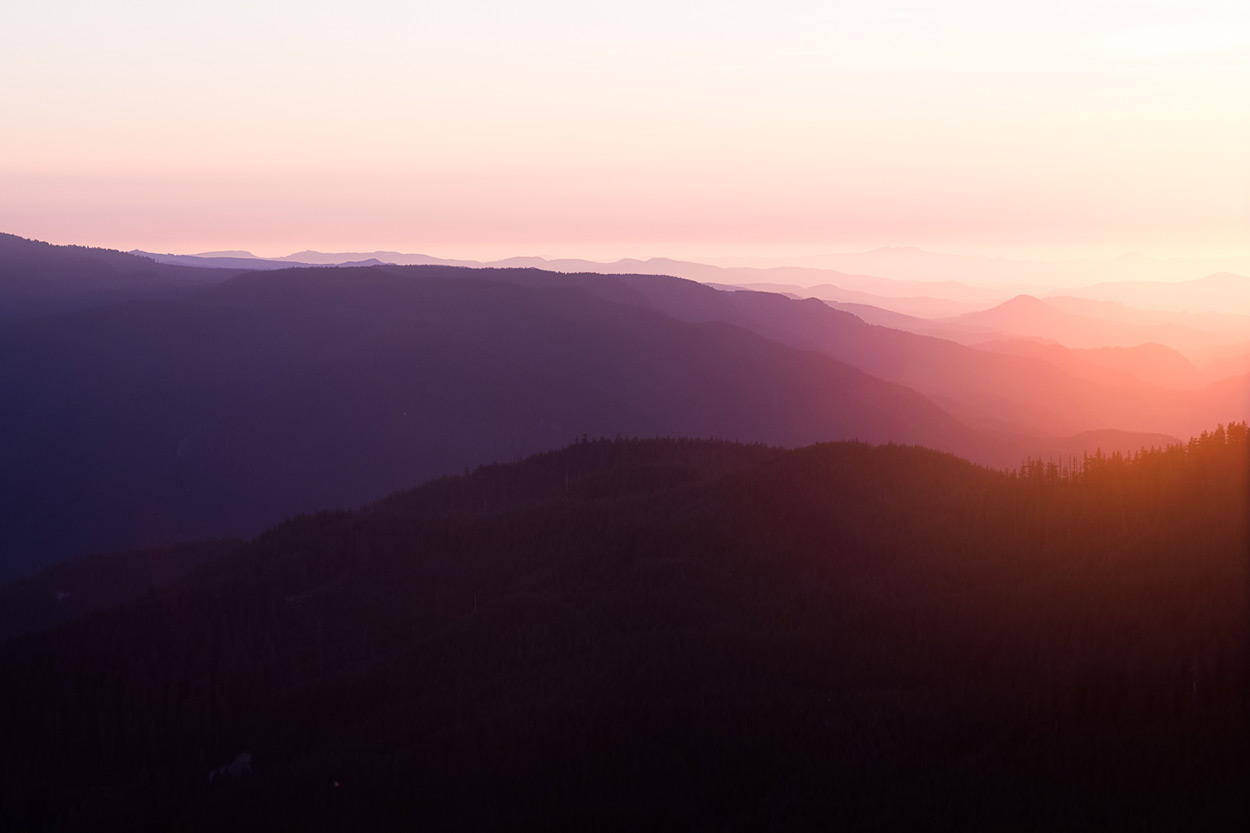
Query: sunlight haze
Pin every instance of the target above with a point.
(683, 129)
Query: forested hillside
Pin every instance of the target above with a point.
(678, 634)
(74, 588)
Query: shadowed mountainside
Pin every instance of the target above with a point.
(37, 278)
(1020, 397)
(1216, 342)
(217, 412)
(678, 634)
(139, 424)
(1012, 394)
(70, 590)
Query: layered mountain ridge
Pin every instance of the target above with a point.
(212, 403)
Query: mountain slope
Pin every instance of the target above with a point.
(280, 392)
(37, 278)
(71, 590)
(272, 393)
(1151, 363)
(668, 634)
(1013, 394)
(1035, 318)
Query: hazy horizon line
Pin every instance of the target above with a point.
(712, 259)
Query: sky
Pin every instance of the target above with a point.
(677, 128)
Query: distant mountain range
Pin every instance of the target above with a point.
(906, 263)
(273, 393)
(1207, 319)
(243, 260)
(907, 280)
(901, 264)
(1032, 317)
(186, 402)
(1152, 363)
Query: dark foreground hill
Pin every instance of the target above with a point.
(72, 589)
(677, 635)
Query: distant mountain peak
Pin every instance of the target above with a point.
(1015, 312)
(230, 253)
(373, 261)
(1024, 301)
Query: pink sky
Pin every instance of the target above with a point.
(678, 128)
